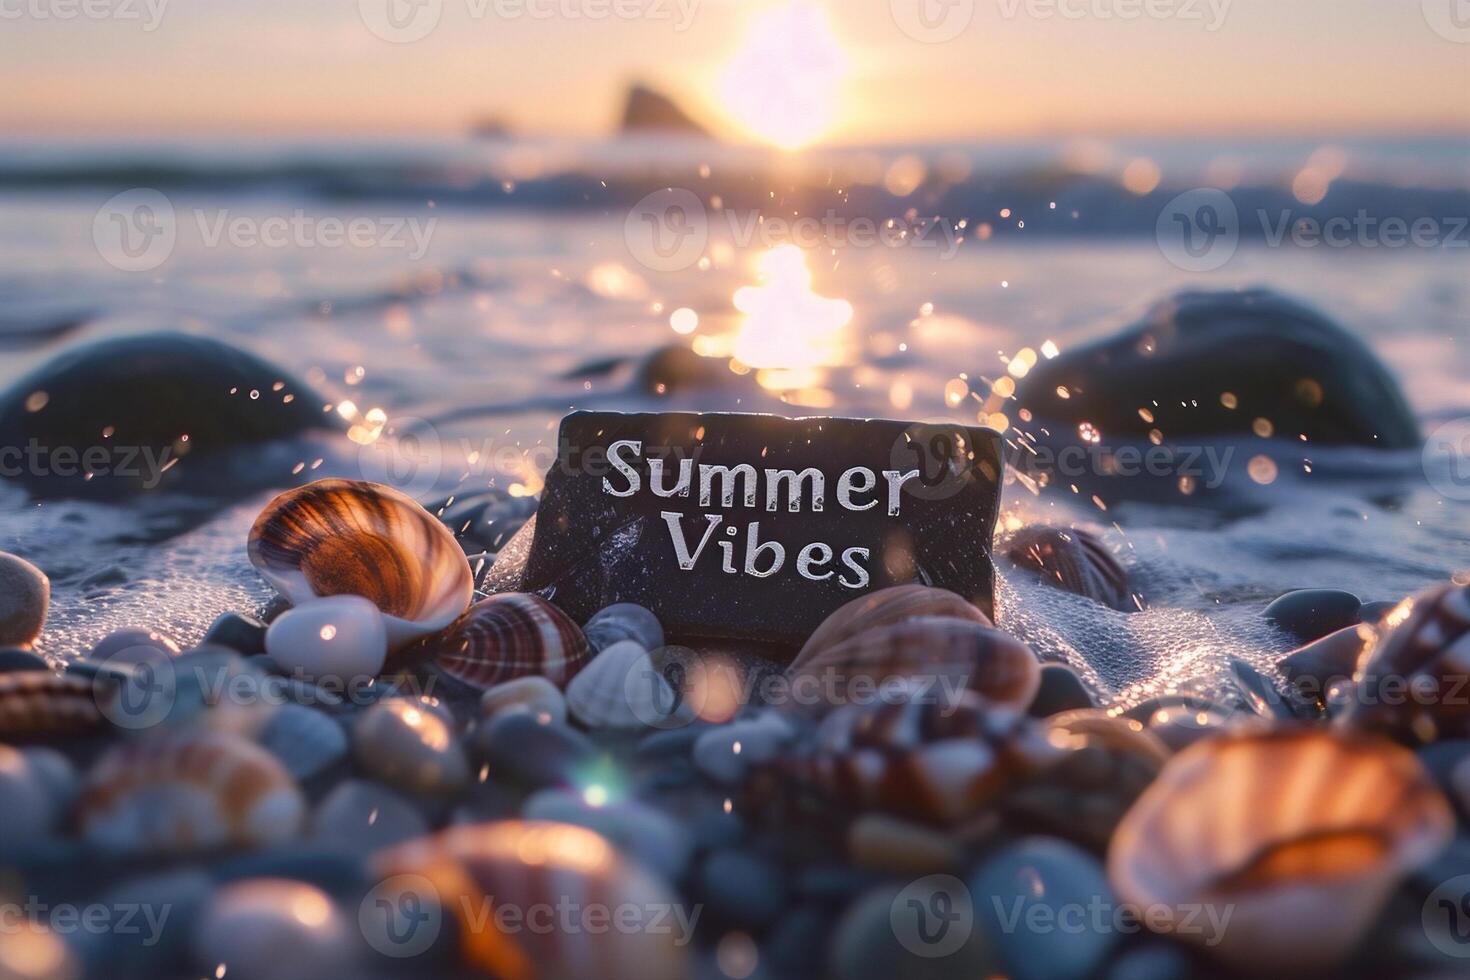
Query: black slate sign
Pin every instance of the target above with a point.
(755, 527)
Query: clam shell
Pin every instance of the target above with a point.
(508, 636)
(40, 704)
(945, 653)
(345, 537)
(620, 689)
(1072, 560)
(188, 792)
(1415, 682)
(931, 761)
(883, 608)
(1304, 832)
(526, 865)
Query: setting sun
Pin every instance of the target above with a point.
(783, 86)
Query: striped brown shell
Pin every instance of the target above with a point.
(1304, 833)
(929, 759)
(883, 608)
(37, 704)
(187, 792)
(945, 653)
(1414, 683)
(347, 537)
(529, 866)
(1073, 560)
(508, 636)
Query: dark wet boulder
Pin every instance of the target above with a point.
(123, 408)
(1203, 365)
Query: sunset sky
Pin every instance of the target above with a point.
(783, 71)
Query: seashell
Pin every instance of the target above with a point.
(943, 652)
(925, 759)
(624, 621)
(188, 792)
(526, 864)
(532, 694)
(1414, 684)
(508, 636)
(340, 638)
(1073, 560)
(1107, 764)
(25, 592)
(40, 704)
(409, 745)
(884, 608)
(345, 537)
(1305, 833)
(620, 689)
(273, 929)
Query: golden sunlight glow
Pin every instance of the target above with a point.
(787, 326)
(783, 85)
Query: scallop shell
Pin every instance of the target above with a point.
(528, 867)
(40, 704)
(917, 757)
(1414, 683)
(188, 792)
(345, 537)
(508, 636)
(1304, 833)
(1074, 561)
(621, 690)
(883, 608)
(943, 652)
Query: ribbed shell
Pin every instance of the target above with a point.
(1426, 651)
(883, 608)
(931, 761)
(1305, 832)
(189, 792)
(346, 537)
(1072, 560)
(40, 704)
(508, 636)
(940, 651)
(528, 865)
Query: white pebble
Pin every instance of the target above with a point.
(338, 638)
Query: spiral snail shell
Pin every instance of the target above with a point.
(347, 537)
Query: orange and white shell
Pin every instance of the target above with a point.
(37, 704)
(943, 652)
(514, 634)
(533, 869)
(188, 792)
(884, 608)
(347, 537)
(1299, 834)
